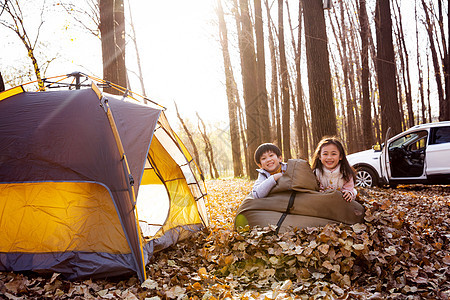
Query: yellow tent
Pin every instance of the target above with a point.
(91, 184)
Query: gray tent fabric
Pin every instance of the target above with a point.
(64, 136)
(310, 208)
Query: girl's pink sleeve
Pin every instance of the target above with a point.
(349, 186)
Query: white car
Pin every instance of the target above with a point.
(420, 154)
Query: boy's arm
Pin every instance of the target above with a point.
(262, 186)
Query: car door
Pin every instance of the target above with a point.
(384, 160)
(438, 151)
(406, 156)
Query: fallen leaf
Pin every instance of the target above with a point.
(359, 227)
(202, 272)
(446, 259)
(149, 284)
(175, 292)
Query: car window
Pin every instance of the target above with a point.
(440, 135)
(400, 141)
(420, 144)
(409, 139)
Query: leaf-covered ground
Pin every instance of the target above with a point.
(400, 252)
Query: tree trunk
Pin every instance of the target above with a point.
(241, 118)
(399, 97)
(300, 119)
(285, 96)
(263, 107)
(446, 57)
(112, 29)
(208, 149)
(323, 116)
(190, 138)
(138, 57)
(419, 68)
(390, 112)
(428, 88)
(15, 12)
(248, 69)
(443, 114)
(119, 36)
(354, 73)
(231, 95)
(351, 126)
(447, 74)
(2, 83)
(300, 95)
(378, 133)
(274, 83)
(108, 43)
(404, 61)
(366, 110)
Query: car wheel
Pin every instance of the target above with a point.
(365, 177)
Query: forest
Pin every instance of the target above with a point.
(293, 71)
(368, 67)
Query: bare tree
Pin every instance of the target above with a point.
(248, 70)
(274, 99)
(247, 157)
(113, 43)
(285, 96)
(263, 107)
(2, 83)
(138, 57)
(443, 108)
(14, 10)
(208, 149)
(446, 54)
(404, 63)
(119, 37)
(366, 111)
(106, 8)
(323, 116)
(190, 138)
(231, 94)
(350, 108)
(390, 112)
(299, 113)
(419, 68)
(88, 17)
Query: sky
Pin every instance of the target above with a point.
(178, 45)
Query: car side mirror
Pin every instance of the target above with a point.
(376, 147)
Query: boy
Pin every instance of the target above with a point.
(271, 168)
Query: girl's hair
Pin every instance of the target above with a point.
(263, 148)
(346, 170)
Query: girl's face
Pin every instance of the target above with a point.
(330, 156)
(269, 161)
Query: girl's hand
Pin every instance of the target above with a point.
(347, 196)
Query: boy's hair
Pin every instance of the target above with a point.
(263, 148)
(346, 170)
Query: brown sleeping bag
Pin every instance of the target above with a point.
(296, 202)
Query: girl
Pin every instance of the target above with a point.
(332, 168)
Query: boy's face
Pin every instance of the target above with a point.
(269, 161)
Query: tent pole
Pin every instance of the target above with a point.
(130, 181)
